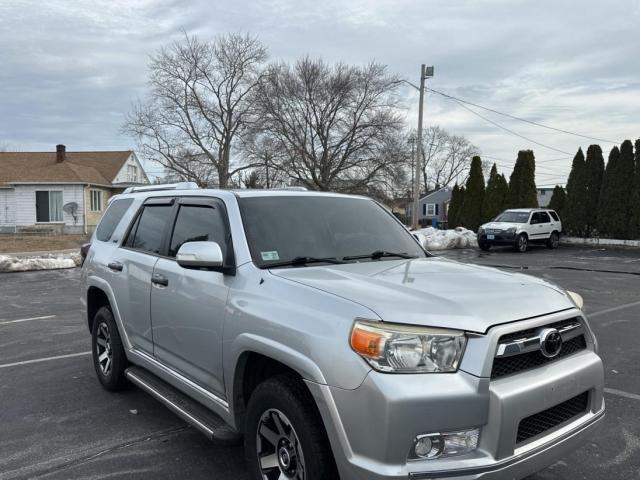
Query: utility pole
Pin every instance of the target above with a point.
(425, 72)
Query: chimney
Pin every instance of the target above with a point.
(60, 153)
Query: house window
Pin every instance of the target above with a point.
(96, 200)
(48, 206)
(431, 209)
(132, 173)
(543, 193)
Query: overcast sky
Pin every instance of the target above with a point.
(69, 70)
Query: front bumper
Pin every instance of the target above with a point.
(502, 238)
(372, 427)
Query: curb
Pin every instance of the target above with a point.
(600, 242)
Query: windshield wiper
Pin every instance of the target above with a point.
(378, 254)
(299, 261)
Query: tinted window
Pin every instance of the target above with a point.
(535, 218)
(281, 228)
(555, 216)
(111, 218)
(544, 217)
(198, 224)
(151, 228)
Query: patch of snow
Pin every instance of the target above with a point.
(45, 262)
(433, 239)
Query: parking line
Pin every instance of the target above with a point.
(45, 359)
(622, 393)
(614, 309)
(7, 322)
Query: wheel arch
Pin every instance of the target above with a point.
(260, 360)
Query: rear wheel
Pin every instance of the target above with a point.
(554, 240)
(284, 434)
(522, 243)
(109, 359)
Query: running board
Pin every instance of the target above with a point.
(184, 407)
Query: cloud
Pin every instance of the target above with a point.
(70, 70)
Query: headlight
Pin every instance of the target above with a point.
(576, 298)
(511, 230)
(480, 230)
(397, 348)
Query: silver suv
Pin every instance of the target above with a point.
(315, 327)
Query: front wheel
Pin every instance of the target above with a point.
(554, 240)
(522, 243)
(484, 246)
(109, 359)
(284, 435)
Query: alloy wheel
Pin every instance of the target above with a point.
(104, 349)
(522, 243)
(279, 451)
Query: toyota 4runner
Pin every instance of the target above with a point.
(316, 328)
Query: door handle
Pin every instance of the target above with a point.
(115, 266)
(159, 279)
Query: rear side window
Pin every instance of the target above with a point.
(198, 224)
(544, 217)
(149, 229)
(111, 218)
(554, 215)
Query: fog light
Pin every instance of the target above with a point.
(437, 445)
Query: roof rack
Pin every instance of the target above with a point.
(166, 186)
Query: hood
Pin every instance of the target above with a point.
(500, 225)
(435, 292)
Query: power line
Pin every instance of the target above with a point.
(507, 129)
(522, 119)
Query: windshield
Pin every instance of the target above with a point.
(513, 217)
(283, 228)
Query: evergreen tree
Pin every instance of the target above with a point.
(471, 214)
(634, 219)
(522, 183)
(454, 206)
(608, 195)
(594, 171)
(624, 190)
(575, 214)
(494, 195)
(504, 191)
(557, 202)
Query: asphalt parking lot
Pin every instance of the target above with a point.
(56, 422)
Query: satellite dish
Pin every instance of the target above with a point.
(71, 208)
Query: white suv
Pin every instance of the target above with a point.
(521, 226)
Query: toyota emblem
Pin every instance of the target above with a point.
(550, 342)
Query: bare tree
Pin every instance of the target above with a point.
(333, 124)
(446, 158)
(198, 104)
(262, 151)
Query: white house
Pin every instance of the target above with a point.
(62, 192)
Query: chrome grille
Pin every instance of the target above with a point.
(520, 351)
(544, 421)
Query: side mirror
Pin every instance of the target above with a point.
(200, 255)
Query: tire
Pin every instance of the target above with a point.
(484, 246)
(522, 243)
(554, 240)
(282, 414)
(109, 359)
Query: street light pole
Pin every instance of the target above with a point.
(425, 72)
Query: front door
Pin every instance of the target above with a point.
(188, 305)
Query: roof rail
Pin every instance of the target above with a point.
(293, 188)
(166, 186)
